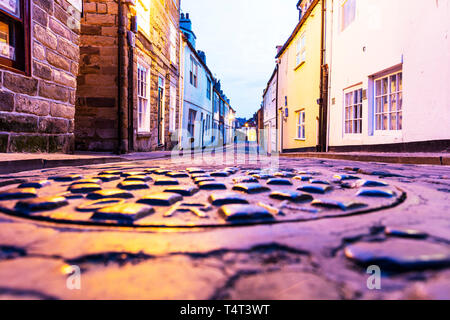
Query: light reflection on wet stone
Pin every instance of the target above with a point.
(87, 181)
(195, 170)
(132, 185)
(126, 212)
(405, 233)
(133, 173)
(293, 196)
(109, 193)
(203, 179)
(376, 193)
(245, 179)
(67, 178)
(99, 204)
(370, 184)
(279, 182)
(212, 185)
(109, 177)
(251, 188)
(15, 194)
(161, 199)
(220, 199)
(35, 184)
(238, 212)
(303, 178)
(317, 181)
(41, 204)
(84, 188)
(186, 191)
(399, 254)
(320, 189)
(333, 204)
(175, 174)
(166, 182)
(138, 178)
(222, 174)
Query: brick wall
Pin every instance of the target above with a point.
(37, 111)
(96, 120)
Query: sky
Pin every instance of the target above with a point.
(240, 39)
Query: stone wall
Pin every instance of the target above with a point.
(37, 111)
(154, 49)
(97, 111)
(96, 119)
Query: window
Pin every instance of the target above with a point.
(301, 50)
(389, 102)
(172, 110)
(143, 99)
(208, 89)
(348, 13)
(193, 74)
(353, 112)
(143, 13)
(14, 34)
(301, 119)
(173, 44)
(191, 122)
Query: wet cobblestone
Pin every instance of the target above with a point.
(237, 236)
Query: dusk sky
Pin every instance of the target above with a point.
(239, 38)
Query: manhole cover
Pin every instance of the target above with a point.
(179, 197)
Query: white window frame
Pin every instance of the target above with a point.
(301, 124)
(300, 56)
(143, 97)
(208, 88)
(353, 111)
(383, 102)
(143, 13)
(347, 20)
(193, 74)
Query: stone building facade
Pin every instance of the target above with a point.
(39, 59)
(128, 87)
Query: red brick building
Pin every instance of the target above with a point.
(39, 58)
(128, 87)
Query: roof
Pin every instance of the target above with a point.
(196, 55)
(270, 80)
(297, 28)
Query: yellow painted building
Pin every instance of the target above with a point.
(299, 81)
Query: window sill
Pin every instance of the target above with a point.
(299, 65)
(300, 139)
(144, 134)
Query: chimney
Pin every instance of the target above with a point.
(279, 49)
(299, 8)
(202, 56)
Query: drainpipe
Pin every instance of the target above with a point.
(330, 50)
(323, 97)
(121, 77)
(276, 109)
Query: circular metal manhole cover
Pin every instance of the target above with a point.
(180, 197)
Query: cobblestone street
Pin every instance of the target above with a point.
(220, 227)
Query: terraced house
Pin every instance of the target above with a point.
(390, 68)
(128, 87)
(39, 58)
(301, 105)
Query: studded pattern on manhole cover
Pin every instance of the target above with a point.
(175, 196)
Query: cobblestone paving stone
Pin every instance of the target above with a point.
(305, 230)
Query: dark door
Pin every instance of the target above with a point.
(160, 110)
